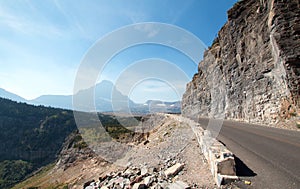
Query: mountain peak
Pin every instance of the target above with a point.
(105, 83)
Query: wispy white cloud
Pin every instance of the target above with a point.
(10, 19)
(176, 15)
(136, 16)
(75, 25)
(150, 29)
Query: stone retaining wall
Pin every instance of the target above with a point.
(220, 159)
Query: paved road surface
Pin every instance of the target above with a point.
(270, 157)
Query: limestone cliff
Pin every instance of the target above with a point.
(252, 70)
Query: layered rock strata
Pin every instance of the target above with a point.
(252, 70)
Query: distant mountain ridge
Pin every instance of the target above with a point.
(103, 98)
(153, 106)
(107, 99)
(59, 101)
(11, 96)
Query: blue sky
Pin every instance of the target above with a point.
(42, 43)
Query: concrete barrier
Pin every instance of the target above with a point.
(220, 159)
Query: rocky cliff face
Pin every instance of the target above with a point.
(252, 70)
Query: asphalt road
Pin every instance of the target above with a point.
(268, 157)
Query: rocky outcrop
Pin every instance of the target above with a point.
(73, 151)
(252, 70)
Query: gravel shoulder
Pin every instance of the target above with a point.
(172, 142)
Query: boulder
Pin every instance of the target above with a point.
(172, 171)
(148, 180)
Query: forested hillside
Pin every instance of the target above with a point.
(30, 137)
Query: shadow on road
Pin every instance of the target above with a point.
(242, 169)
